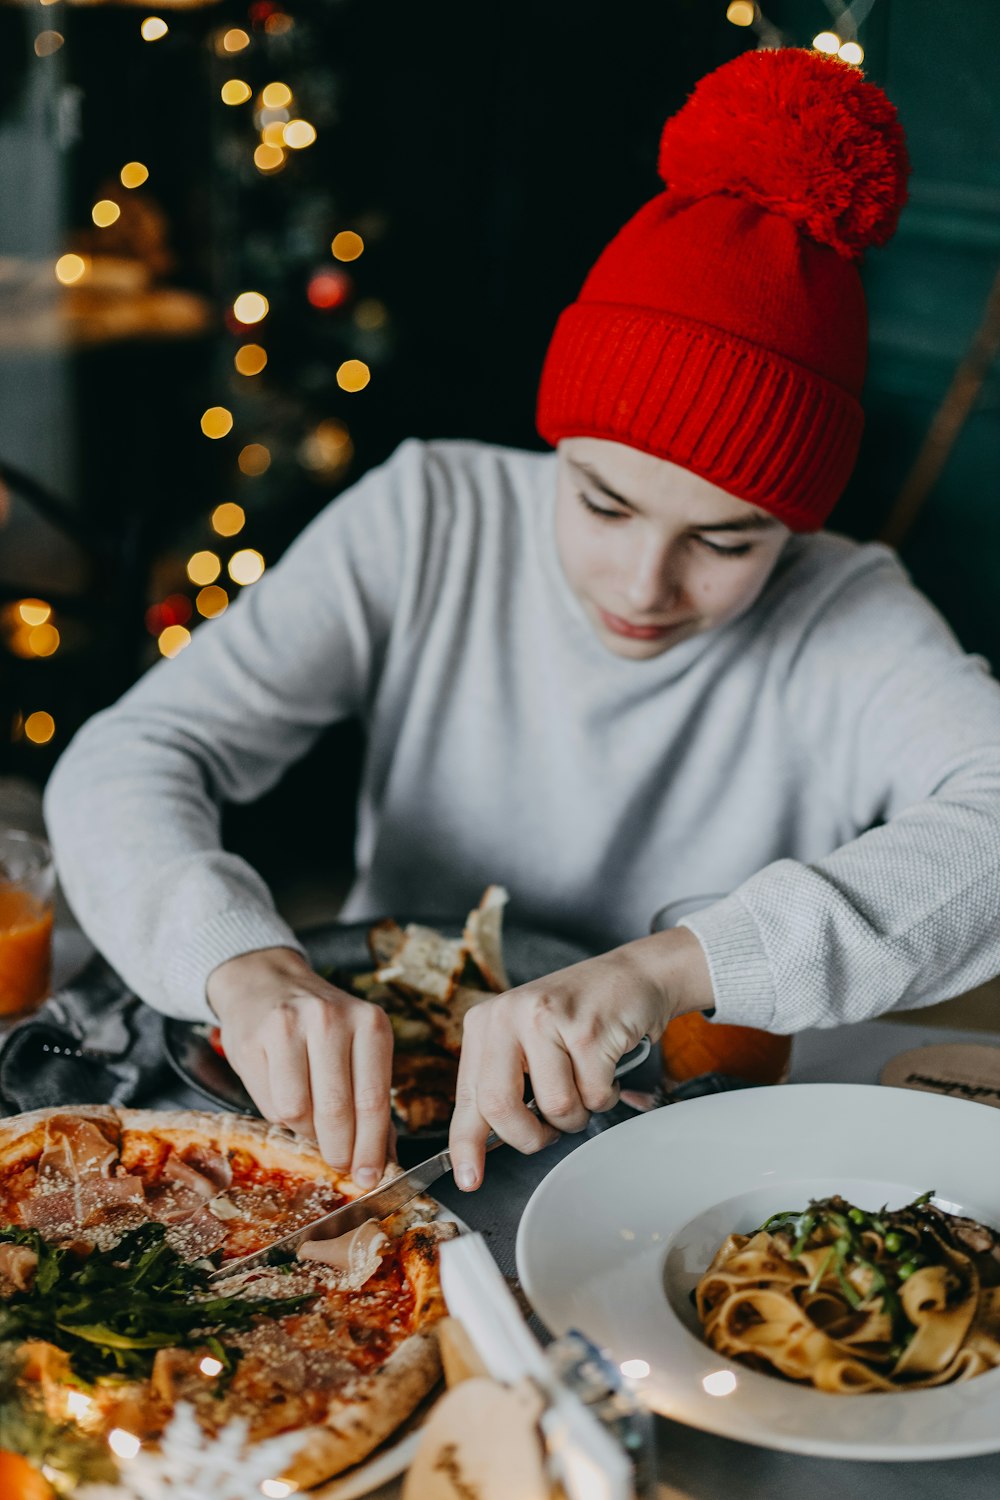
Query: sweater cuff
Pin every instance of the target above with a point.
(230, 934)
(742, 981)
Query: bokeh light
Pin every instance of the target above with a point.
(211, 601)
(298, 134)
(250, 359)
(246, 566)
(39, 727)
(173, 640)
(276, 96)
(741, 13)
(203, 567)
(827, 41)
(235, 91)
(328, 449)
(347, 245)
(251, 307)
(33, 611)
(153, 28)
(235, 40)
(328, 288)
(228, 518)
(133, 174)
(216, 421)
(853, 53)
(43, 640)
(353, 375)
(254, 459)
(70, 269)
(104, 212)
(47, 42)
(268, 158)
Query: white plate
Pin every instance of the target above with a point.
(613, 1240)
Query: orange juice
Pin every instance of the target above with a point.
(25, 949)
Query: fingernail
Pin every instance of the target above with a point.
(466, 1178)
(366, 1177)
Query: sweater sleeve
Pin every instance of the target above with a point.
(903, 730)
(133, 805)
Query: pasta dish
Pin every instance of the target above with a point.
(854, 1302)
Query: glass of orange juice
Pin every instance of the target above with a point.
(693, 1046)
(27, 887)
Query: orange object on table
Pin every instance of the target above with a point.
(693, 1046)
(20, 1480)
(25, 949)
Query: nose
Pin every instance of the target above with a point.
(654, 582)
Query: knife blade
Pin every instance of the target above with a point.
(385, 1199)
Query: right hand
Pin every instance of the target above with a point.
(312, 1057)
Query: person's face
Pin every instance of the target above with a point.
(655, 553)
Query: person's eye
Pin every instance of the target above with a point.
(740, 550)
(598, 510)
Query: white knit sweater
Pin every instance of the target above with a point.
(831, 758)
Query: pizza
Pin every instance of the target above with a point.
(112, 1220)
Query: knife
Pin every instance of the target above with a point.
(386, 1199)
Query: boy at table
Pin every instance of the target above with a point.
(607, 677)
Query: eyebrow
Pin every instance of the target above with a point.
(745, 523)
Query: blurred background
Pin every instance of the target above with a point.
(246, 249)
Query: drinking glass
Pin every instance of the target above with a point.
(693, 1046)
(27, 887)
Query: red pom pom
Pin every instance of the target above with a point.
(801, 134)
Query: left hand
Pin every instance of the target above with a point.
(567, 1032)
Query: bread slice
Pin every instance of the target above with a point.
(425, 963)
(482, 937)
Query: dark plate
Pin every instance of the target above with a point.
(343, 946)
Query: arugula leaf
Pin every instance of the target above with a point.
(111, 1311)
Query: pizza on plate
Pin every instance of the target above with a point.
(112, 1221)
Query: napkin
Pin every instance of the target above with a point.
(94, 1042)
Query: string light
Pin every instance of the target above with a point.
(347, 245)
(228, 518)
(153, 28)
(47, 42)
(133, 174)
(39, 727)
(276, 96)
(211, 601)
(210, 1365)
(171, 642)
(353, 375)
(203, 567)
(235, 91)
(70, 269)
(274, 134)
(827, 41)
(251, 307)
(268, 158)
(124, 1444)
(250, 359)
(104, 212)
(741, 13)
(298, 134)
(216, 421)
(327, 449)
(278, 24)
(254, 459)
(851, 52)
(235, 40)
(33, 611)
(246, 566)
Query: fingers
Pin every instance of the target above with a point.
(329, 1064)
(554, 1085)
(489, 1096)
(371, 1069)
(287, 1071)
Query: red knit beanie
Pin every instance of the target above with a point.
(724, 328)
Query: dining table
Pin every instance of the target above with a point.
(692, 1464)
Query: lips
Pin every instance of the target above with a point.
(618, 626)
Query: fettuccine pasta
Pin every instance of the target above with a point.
(853, 1302)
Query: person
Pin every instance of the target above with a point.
(608, 675)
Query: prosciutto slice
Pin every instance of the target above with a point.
(75, 1147)
(17, 1267)
(353, 1258)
